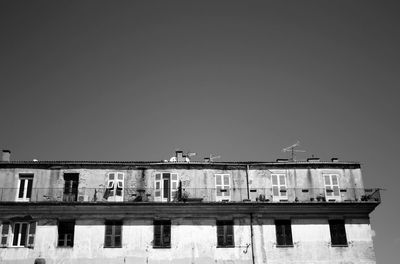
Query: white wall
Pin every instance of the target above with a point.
(195, 241)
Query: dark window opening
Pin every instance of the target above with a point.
(66, 233)
(225, 233)
(283, 233)
(71, 181)
(338, 233)
(113, 234)
(162, 233)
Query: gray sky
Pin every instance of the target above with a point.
(134, 80)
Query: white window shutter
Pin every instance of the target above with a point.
(157, 185)
(174, 184)
(275, 187)
(31, 234)
(4, 231)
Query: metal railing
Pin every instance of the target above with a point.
(293, 195)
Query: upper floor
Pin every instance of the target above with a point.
(281, 181)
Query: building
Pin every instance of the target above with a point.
(181, 211)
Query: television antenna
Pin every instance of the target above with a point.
(190, 154)
(292, 150)
(212, 157)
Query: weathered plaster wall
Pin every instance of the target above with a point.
(311, 179)
(311, 239)
(198, 183)
(194, 241)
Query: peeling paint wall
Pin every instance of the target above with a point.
(312, 180)
(193, 241)
(198, 183)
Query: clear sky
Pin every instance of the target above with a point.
(135, 80)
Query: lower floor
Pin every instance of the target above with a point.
(235, 239)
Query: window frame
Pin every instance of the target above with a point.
(225, 189)
(159, 187)
(29, 227)
(282, 188)
(65, 239)
(113, 224)
(71, 187)
(114, 186)
(226, 227)
(337, 239)
(283, 228)
(27, 188)
(330, 195)
(164, 231)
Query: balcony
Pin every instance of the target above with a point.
(194, 195)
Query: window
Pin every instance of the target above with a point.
(222, 185)
(338, 233)
(332, 191)
(279, 190)
(25, 187)
(71, 181)
(225, 233)
(4, 233)
(66, 233)
(23, 234)
(113, 234)
(115, 187)
(283, 233)
(165, 186)
(162, 234)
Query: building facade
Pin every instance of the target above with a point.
(185, 212)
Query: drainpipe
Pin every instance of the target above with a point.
(247, 181)
(252, 238)
(251, 216)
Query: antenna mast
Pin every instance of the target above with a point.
(211, 157)
(292, 150)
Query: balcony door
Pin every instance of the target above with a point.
(165, 187)
(279, 187)
(332, 191)
(115, 187)
(222, 187)
(71, 181)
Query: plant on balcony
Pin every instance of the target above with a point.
(180, 194)
(320, 198)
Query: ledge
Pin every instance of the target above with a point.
(147, 209)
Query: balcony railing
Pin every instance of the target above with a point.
(261, 195)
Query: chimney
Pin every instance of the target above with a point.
(6, 155)
(207, 159)
(179, 156)
(313, 159)
(334, 159)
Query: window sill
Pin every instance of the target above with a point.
(231, 246)
(284, 246)
(114, 247)
(346, 245)
(161, 247)
(16, 247)
(65, 246)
